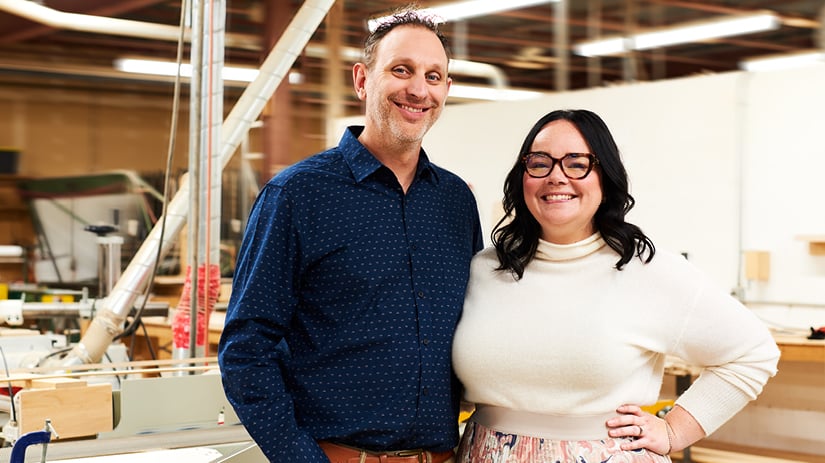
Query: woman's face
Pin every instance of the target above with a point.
(563, 207)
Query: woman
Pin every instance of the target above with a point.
(569, 318)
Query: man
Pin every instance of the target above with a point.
(351, 278)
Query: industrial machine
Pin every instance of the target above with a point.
(123, 412)
(83, 400)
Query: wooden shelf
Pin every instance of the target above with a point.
(713, 452)
(15, 219)
(816, 244)
(800, 349)
(159, 333)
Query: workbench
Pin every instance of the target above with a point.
(796, 348)
(159, 333)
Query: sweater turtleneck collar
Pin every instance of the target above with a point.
(560, 252)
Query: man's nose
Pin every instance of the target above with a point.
(417, 86)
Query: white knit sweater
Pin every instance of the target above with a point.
(577, 337)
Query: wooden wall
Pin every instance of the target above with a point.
(66, 128)
(69, 130)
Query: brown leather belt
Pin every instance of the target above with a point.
(343, 454)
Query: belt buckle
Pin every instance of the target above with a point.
(411, 453)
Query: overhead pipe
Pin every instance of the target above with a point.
(496, 77)
(124, 27)
(110, 318)
(494, 74)
(38, 13)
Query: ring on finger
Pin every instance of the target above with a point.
(641, 430)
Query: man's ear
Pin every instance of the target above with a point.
(359, 78)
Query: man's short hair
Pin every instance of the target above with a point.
(405, 16)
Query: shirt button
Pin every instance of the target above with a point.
(426, 341)
(414, 247)
(421, 294)
(425, 391)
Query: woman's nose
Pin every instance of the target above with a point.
(556, 175)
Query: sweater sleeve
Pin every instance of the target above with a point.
(735, 350)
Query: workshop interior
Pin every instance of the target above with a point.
(135, 135)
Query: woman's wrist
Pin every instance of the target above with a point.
(670, 435)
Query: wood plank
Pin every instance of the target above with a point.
(733, 450)
(73, 412)
(56, 383)
(799, 349)
(706, 455)
(816, 248)
(816, 244)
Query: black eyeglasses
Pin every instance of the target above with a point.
(575, 166)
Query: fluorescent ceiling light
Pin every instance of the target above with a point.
(246, 74)
(783, 61)
(684, 33)
(467, 9)
(602, 47)
(169, 68)
(696, 32)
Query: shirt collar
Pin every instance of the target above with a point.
(362, 163)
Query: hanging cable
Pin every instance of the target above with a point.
(170, 155)
(11, 389)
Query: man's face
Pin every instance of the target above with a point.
(406, 87)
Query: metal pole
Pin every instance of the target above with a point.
(107, 324)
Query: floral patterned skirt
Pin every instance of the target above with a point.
(480, 444)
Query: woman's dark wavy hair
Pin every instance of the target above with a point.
(516, 235)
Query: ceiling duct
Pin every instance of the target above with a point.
(110, 26)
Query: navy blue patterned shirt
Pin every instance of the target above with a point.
(344, 301)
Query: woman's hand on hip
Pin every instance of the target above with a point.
(646, 430)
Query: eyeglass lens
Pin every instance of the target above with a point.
(573, 165)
